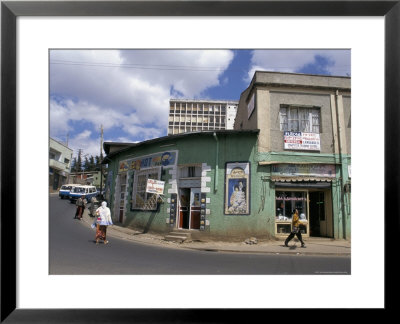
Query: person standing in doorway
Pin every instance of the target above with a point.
(103, 220)
(295, 229)
(80, 207)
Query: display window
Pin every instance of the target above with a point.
(285, 204)
(140, 198)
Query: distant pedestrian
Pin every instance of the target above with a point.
(103, 220)
(80, 207)
(94, 204)
(295, 229)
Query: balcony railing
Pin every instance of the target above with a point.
(58, 165)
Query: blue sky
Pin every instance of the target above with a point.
(128, 91)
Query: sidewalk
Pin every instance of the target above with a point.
(314, 246)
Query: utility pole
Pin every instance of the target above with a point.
(101, 161)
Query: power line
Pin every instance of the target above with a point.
(141, 66)
(174, 67)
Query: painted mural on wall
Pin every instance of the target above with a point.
(164, 159)
(237, 188)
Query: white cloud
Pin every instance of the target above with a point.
(293, 60)
(127, 90)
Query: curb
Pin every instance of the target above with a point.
(115, 231)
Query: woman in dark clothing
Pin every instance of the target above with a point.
(80, 207)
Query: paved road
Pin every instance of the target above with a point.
(72, 251)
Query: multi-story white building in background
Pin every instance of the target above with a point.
(60, 157)
(200, 115)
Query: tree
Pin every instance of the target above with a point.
(86, 166)
(98, 163)
(73, 165)
(92, 165)
(78, 164)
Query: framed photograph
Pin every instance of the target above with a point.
(39, 297)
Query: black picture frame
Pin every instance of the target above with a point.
(10, 10)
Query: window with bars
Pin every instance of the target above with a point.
(140, 198)
(190, 172)
(300, 119)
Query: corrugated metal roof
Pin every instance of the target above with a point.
(125, 146)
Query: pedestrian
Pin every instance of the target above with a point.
(295, 229)
(94, 204)
(103, 220)
(80, 207)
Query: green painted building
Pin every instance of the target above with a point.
(304, 148)
(290, 149)
(206, 178)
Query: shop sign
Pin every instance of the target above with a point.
(150, 161)
(301, 141)
(155, 186)
(308, 170)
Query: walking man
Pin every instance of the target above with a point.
(295, 229)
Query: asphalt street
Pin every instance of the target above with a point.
(73, 251)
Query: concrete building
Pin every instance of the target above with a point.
(60, 157)
(200, 115)
(87, 178)
(304, 147)
(290, 149)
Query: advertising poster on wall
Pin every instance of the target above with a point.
(155, 186)
(301, 141)
(237, 189)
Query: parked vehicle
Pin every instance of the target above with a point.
(65, 190)
(82, 190)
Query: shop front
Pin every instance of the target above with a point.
(189, 184)
(307, 188)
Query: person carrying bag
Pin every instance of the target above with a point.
(103, 219)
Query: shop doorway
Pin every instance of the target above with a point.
(189, 208)
(320, 221)
(120, 197)
(184, 200)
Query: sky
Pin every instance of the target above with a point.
(127, 92)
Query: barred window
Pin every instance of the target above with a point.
(299, 119)
(140, 198)
(190, 172)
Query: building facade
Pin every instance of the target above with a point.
(290, 149)
(207, 184)
(87, 178)
(60, 157)
(304, 148)
(200, 115)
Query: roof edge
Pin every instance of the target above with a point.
(107, 145)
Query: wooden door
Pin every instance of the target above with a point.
(195, 208)
(184, 208)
